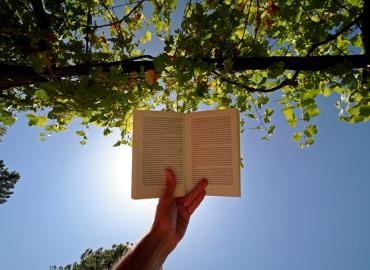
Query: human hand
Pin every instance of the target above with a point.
(170, 223)
(173, 214)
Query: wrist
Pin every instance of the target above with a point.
(162, 240)
(149, 254)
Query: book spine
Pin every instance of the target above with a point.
(187, 153)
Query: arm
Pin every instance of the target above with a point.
(169, 227)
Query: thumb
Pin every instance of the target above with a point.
(170, 183)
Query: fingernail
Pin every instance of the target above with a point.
(205, 180)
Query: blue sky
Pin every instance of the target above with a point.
(300, 209)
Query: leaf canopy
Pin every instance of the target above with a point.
(87, 60)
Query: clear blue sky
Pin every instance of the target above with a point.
(300, 209)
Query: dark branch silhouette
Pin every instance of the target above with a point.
(139, 3)
(312, 63)
(15, 75)
(365, 27)
(40, 15)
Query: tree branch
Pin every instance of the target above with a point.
(16, 76)
(88, 27)
(118, 29)
(40, 15)
(12, 73)
(365, 25)
(321, 63)
(123, 18)
(334, 36)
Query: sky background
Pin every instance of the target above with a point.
(299, 209)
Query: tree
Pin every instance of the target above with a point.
(2, 131)
(102, 259)
(7, 182)
(86, 59)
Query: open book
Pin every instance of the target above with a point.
(193, 145)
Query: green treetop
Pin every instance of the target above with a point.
(87, 60)
(100, 259)
(7, 182)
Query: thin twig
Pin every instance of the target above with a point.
(258, 114)
(118, 29)
(88, 28)
(124, 17)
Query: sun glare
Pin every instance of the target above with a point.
(118, 184)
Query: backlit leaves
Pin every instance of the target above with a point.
(146, 38)
(150, 77)
(182, 79)
(34, 120)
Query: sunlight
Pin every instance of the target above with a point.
(117, 184)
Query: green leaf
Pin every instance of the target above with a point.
(267, 115)
(357, 3)
(297, 136)
(263, 100)
(309, 141)
(107, 131)
(41, 121)
(239, 33)
(288, 112)
(292, 122)
(228, 64)
(310, 131)
(146, 38)
(327, 91)
(7, 118)
(32, 119)
(289, 116)
(127, 9)
(311, 93)
(37, 64)
(315, 18)
(269, 111)
(308, 101)
(364, 110)
(357, 40)
(251, 115)
(118, 143)
(80, 133)
(39, 61)
(41, 94)
(312, 110)
(270, 130)
(306, 117)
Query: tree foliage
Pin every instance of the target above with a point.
(87, 60)
(2, 131)
(7, 182)
(100, 259)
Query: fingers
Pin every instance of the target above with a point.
(170, 184)
(182, 220)
(183, 212)
(196, 202)
(199, 188)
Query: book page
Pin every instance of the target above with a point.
(158, 143)
(215, 151)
